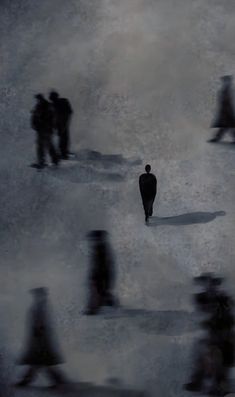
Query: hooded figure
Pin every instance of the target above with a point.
(148, 191)
(101, 278)
(41, 351)
(225, 120)
(42, 123)
(62, 113)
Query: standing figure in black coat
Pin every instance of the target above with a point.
(41, 351)
(101, 278)
(148, 191)
(42, 123)
(225, 120)
(63, 113)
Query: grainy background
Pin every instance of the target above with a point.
(142, 77)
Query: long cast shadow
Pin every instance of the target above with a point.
(192, 218)
(83, 389)
(166, 322)
(106, 160)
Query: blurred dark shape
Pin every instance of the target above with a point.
(192, 218)
(225, 119)
(41, 351)
(148, 191)
(106, 160)
(215, 351)
(62, 117)
(102, 273)
(42, 123)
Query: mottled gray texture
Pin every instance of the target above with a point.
(142, 77)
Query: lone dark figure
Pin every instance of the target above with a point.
(41, 351)
(62, 118)
(225, 119)
(101, 277)
(148, 191)
(42, 123)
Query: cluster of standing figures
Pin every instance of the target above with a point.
(47, 118)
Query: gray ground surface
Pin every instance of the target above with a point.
(142, 77)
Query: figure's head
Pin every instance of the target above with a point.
(227, 80)
(97, 236)
(39, 294)
(53, 96)
(148, 168)
(39, 97)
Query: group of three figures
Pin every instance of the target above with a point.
(48, 117)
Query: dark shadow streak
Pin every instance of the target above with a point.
(191, 218)
(106, 160)
(81, 174)
(86, 390)
(226, 144)
(169, 323)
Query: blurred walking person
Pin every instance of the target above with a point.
(41, 352)
(102, 273)
(225, 119)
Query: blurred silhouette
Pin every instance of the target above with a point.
(62, 113)
(215, 351)
(42, 123)
(41, 352)
(148, 191)
(225, 119)
(102, 277)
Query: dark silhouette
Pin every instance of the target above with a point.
(148, 191)
(101, 278)
(62, 117)
(42, 123)
(41, 351)
(215, 352)
(225, 120)
(192, 218)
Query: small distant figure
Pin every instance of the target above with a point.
(42, 123)
(62, 113)
(225, 120)
(215, 351)
(102, 273)
(41, 351)
(148, 191)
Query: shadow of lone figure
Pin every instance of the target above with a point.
(41, 352)
(192, 218)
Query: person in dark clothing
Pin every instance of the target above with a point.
(42, 123)
(41, 351)
(215, 352)
(101, 278)
(63, 113)
(148, 191)
(225, 120)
